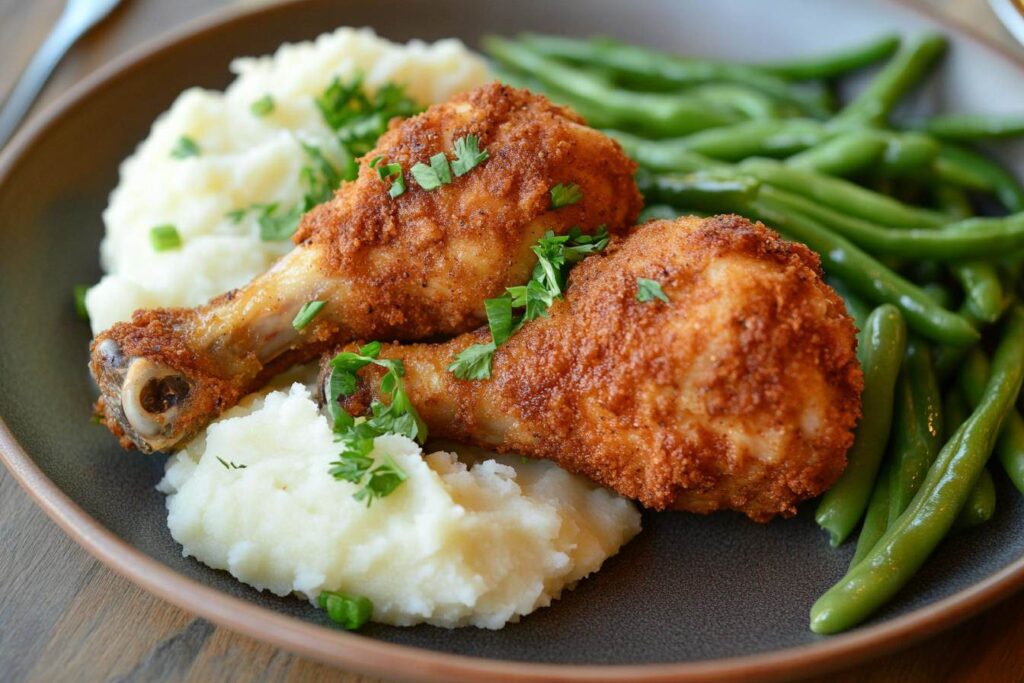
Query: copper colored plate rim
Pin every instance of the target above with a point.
(380, 658)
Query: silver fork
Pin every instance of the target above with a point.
(77, 18)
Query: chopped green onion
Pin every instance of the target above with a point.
(184, 148)
(164, 238)
(262, 106)
(565, 195)
(306, 314)
(348, 611)
(649, 290)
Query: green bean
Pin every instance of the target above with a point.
(643, 68)
(1010, 447)
(701, 191)
(842, 151)
(838, 63)
(954, 412)
(873, 105)
(978, 238)
(968, 127)
(980, 505)
(751, 103)
(843, 155)
(983, 292)
(658, 114)
(906, 545)
(908, 154)
(843, 195)
(664, 155)
(966, 168)
(877, 516)
(917, 427)
(752, 138)
(866, 276)
(937, 293)
(880, 350)
(949, 357)
(952, 201)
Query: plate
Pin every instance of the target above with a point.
(692, 598)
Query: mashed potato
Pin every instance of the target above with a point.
(244, 160)
(452, 546)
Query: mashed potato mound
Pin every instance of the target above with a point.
(244, 160)
(452, 546)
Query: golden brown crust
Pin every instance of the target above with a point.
(741, 393)
(414, 267)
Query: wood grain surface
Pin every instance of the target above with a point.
(65, 617)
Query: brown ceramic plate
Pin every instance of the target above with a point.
(692, 598)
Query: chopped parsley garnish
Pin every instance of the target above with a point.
(79, 293)
(348, 611)
(468, 155)
(354, 464)
(164, 238)
(474, 362)
(434, 176)
(390, 174)
(306, 314)
(263, 106)
(184, 148)
(358, 119)
(228, 465)
(274, 226)
(555, 256)
(649, 290)
(237, 215)
(321, 179)
(565, 195)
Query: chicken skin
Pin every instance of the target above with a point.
(740, 393)
(411, 267)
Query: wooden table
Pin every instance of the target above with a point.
(65, 617)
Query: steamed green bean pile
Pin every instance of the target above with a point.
(918, 229)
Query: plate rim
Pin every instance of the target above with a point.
(376, 657)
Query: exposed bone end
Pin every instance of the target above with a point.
(152, 397)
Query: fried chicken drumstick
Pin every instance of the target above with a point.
(740, 393)
(412, 267)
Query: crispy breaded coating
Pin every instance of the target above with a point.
(740, 393)
(413, 267)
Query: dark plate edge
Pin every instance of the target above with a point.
(378, 658)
